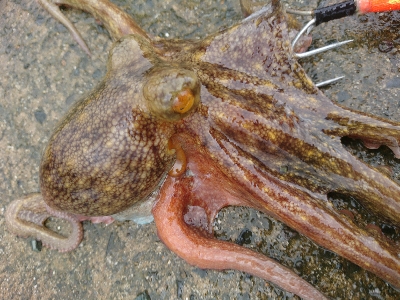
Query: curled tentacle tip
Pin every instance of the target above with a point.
(25, 217)
(180, 164)
(18, 208)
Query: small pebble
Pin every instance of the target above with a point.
(36, 245)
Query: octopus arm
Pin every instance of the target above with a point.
(315, 157)
(194, 243)
(372, 130)
(326, 227)
(117, 22)
(25, 217)
(310, 214)
(246, 183)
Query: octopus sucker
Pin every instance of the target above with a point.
(195, 126)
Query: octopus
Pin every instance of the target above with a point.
(179, 129)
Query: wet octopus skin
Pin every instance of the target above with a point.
(262, 130)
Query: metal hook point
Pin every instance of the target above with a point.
(327, 82)
(322, 49)
(309, 26)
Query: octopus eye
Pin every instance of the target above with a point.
(171, 93)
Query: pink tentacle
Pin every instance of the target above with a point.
(25, 217)
(199, 249)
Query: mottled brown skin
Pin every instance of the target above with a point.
(262, 136)
(108, 152)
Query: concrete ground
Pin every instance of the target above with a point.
(43, 72)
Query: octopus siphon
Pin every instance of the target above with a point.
(179, 129)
